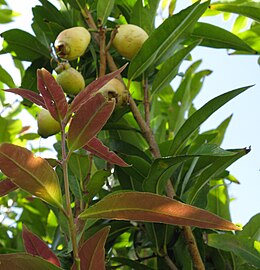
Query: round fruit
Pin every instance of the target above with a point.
(116, 89)
(71, 81)
(72, 43)
(129, 39)
(47, 125)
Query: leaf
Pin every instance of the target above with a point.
(7, 186)
(96, 147)
(53, 94)
(92, 88)
(89, 120)
(132, 264)
(33, 174)
(252, 228)
(104, 10)
(35, 246)
(164, 38)
(252, 37)
(6, 77)
(25, 261)
(216, 37)
(198, 117)
(149, 207)
(28, 94)
(242, 246)
(92, 252)
(170, 68)
(25, 46)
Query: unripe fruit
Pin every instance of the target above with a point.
(72, 43)
(47, 125)
(129, 40)
(71, 81)
(116, 89)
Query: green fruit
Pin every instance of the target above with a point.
(72, 43)
(47, 125)
(116, 89)
(71, 81)
(129, 39)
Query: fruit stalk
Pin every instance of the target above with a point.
(102, 51)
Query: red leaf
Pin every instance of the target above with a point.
(92, 88)
(92, 252)
(53, 94)
(35, 246)
(149, 207)
(96, 147)
(30, 95)
(7, 186)
(89, 120)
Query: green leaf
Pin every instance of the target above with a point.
(132, 264)
(242, 246)
(252, 37)
(6, 78)
(201, 115)
(9, 128)
(216, 37)
(104, 10)
(252, 228)
(165, 38)
(170, 68)
(25, 46)
(143, 206)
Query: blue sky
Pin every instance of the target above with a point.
(229, 72)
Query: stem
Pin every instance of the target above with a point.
(170, 263)
(102, 51)
(69, 213)
(146, 102)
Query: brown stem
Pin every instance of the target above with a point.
(102, 51)
(146, 102)
(170, 263)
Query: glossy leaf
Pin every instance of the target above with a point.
(25, 261)
(164, 38)
(149, 207)
(7, 186)
(104, 10)
(6, 77)
(242, 246)
(53, 94)
(96, 147)
(92, 252)
(170, 68)
(92, 88)
(201, 115)
(252, 37)
(131, 263)
(89, 120)
(216, 37)
(33, 174)
(35, 246)
(30, 95)
(252, 228)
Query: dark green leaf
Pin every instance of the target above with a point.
(132, 264)
(6, 78)
(104, 10)
(252, 228)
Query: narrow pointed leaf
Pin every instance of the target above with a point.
(252, 228)
(104, 10)
(96, 147)
(33, 174)
(242, 246)
(24, 261)
(53, 94)
(89, 120)
(92, 88)
(149, 207)
(35, 246)
(92, 252)
(165, 38)
(7, 186)
(30, 95)
(201, 115)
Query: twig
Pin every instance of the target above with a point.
(170, 263)
(146, 102)
(102, 51)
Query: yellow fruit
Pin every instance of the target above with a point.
(116, 89)
(71, 81)
(47, 125)
(129, 40)
(72, 43)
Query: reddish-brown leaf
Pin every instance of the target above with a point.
(96, 147)
(7, 186)
(92, 252)
(92, 88)
(28, 94)
(53, 94)
(33, 174)
(22, 261)
(150, 207)
(35, 246)
(89, 120)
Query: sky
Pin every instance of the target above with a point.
(229, 72)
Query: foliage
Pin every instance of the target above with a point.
(129, 181)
